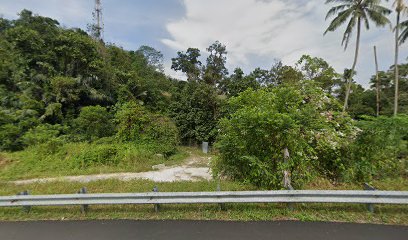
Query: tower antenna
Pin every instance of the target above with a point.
(97, 29)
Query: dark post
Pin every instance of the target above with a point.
(221, 205)
(84, 208)
(368, 187)
(156, 206)
(26, 209)
(291, 206)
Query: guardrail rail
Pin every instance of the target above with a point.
(156, 198)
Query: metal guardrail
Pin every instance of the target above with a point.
(285, 196)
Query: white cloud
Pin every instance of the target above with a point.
(273, 29)
(73, 13)
(256, 32)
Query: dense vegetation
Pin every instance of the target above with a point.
(65, 95)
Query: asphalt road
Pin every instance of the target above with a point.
(196, 230)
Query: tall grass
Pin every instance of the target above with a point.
(53, 160)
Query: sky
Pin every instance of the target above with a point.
(256, 32)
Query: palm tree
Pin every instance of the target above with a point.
(357, 12)
(400, 7)
(404, 34)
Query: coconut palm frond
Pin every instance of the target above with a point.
(339, 20)
(404, 33)
(351, 11)
(378, 18)
(334, 10)
(349, 31)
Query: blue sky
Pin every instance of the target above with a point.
(256, 32)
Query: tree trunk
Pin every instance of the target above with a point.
(396, 65)
(378, 81)
(350, 78)
(286, 174)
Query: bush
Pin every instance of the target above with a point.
(94, 122)
(196, 111)
(136, 124)
(263, 123)
(9, 135)
(163, 133)
(97, 155)
(41, 134)
(46, 136)
(13, 125)
(131, 120)
(380, 149)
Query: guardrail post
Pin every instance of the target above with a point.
(291, 206)
(84, 208)
(25, 208)
(156, 206)
(368, 187)
(221, 205)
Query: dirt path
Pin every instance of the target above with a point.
(194, 169)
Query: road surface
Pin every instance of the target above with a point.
(196, 230)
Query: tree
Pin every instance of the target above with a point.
(400, 7)
(377, 85)
(41, 134)
(136, 124)
(238, 83)
(304, 123)
(359, 12)
(12, 66)
(13, 124)
(263, 77)
(4, 24)
(386, 87)
(154, 58)
(379, 148)
(215, 69)
(65, 89)
(77, 54)
(318, 70)
(362, 102)
(287, 75)
(196, 109)
(188, 63)
(94, 122)
(404, 34)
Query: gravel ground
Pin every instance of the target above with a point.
(186, 172)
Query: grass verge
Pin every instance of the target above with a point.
(384, 214)
(83, 159)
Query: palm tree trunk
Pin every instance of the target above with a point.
(396, 65)
(378, 81)
(350, 78)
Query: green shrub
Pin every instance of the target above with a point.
(136, 124)
(131, 120)
(9, 135)
(380, 149)
(41, 134)
(13, 125)
(196, 109)
(263, 123)
(94, 122)
(106, 140)
(97, 155)
(47, 136)
(53, 113)
(162, 133)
